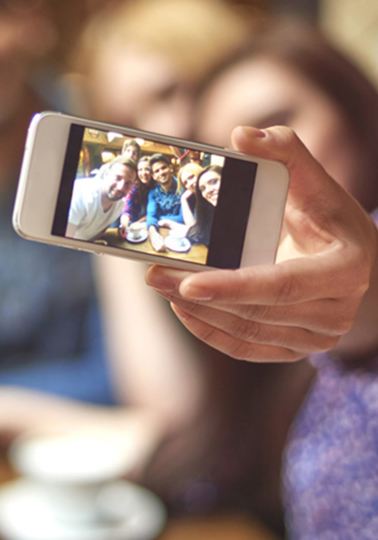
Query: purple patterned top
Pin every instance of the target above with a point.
(330, 479)
(133, 207)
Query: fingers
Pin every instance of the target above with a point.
(236, 348)
(294, 281)
(327, 317)
(311, 188)
(303, 303)
(244, 329)
(318, 209)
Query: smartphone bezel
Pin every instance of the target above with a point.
(41, 175)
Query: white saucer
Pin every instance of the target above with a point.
(181, 245)
(126, 512)
(143, 236)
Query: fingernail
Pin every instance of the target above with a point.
(166, 280)
(191, 292)
(253, 132)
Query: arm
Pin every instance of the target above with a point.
(131, 209)
(152, 214)
(156, 239)
(124, 221)
(187, 214)
(23, 410)
(154, 364)
(312, 296)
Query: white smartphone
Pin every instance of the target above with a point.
(109, 189)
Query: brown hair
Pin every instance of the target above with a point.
(198, 34)
(305, 49)
(190, 167)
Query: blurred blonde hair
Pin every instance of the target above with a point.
(194, 168)
(193, 34)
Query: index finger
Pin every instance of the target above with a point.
(290, 282)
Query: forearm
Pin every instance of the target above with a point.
(154, 363)
(22, 409)
(140, 428)
(187, 214)
(125, 220)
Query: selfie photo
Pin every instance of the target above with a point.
(143, 195)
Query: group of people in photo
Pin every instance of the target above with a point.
(167, 198)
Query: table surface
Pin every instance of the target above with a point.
(196, 254)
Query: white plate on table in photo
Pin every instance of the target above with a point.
(142, 238)
(179, 244)
(125, 511)
(136, 236)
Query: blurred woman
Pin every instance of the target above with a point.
(289, 74)
(140, 63)
(187, 177)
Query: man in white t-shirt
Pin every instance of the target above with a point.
(97, 202)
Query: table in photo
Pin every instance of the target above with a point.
(196, 254)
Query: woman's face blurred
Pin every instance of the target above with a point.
(262, 93)
(144, 172)
(209, 184)
(189, 179)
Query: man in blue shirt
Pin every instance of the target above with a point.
(164, 201)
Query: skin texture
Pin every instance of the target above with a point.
(265, 93)
(307, 301)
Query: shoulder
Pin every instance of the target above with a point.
(85, 185)
(154, 191)
(85, 194)
(175, 187)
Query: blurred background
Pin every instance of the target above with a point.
(67, 352)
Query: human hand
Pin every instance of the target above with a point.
(306, 301)
(123, 225)
(186, 195)
(165, 223)
(157, 241)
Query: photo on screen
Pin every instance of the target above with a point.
(142, 195)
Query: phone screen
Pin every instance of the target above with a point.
(139, 194)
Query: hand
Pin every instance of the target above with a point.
(165, 223)
(187, 195)
(306, 301)
(157, 241)
(124, 223)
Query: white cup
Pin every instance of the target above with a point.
(71, 469)
(136, 230)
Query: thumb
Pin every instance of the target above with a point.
(312, 191)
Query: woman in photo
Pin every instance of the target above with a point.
(187, 176)
(136, 200)
(207, 190)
